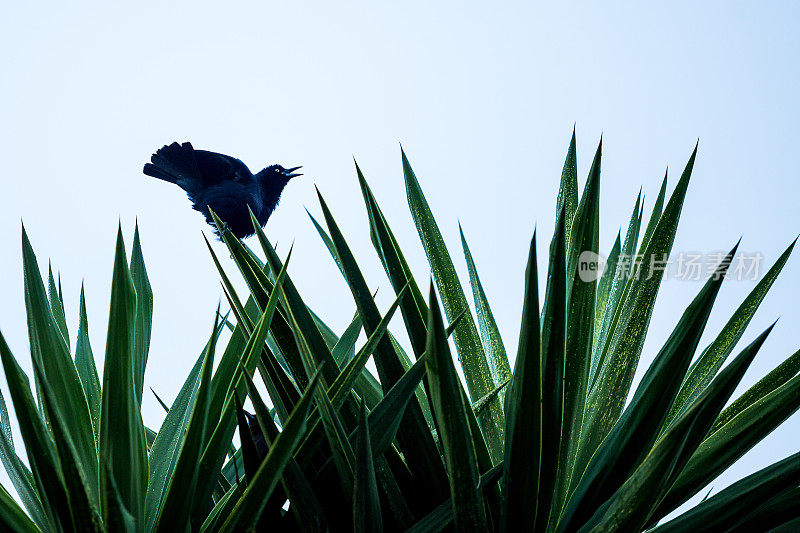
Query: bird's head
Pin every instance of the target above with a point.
(272, 180)
(278, 174)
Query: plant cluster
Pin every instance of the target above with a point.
(561, 443)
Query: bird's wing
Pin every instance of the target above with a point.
(174, 163)
(217, 168)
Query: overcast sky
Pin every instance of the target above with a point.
(483, 97)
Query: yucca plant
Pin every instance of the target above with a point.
(552, 446)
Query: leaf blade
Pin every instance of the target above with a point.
(479, 370)
(248, 508)
(366, 502)
(449, 409)
(122, 437)
(522, 454)
(713, 357)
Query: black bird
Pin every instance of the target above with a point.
(223, 183)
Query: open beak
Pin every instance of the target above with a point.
(289, 172)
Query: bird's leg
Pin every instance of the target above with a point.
(225, 229)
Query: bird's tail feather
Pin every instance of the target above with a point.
(175, 163)
(157, 172)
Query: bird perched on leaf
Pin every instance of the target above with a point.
(223, 183)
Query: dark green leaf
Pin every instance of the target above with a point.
(345, 347)
(221, 510)
(449, 409)
(776, 511)
(20, 475)
(655, 216)
(279, 385)
(479, 370)
(167, 445)
(366, 503)
(553, 335)
(12, 517)
(490, 333)
(115, 516)
(343, 455)
(83, 511)
(626, 337)
(236, 304)
(328, 242)
(568, 190)
(39, 446)
(305, 507)
(604, 292)
(636, 431)
(163, 405)
(440, 518)
(50, 352)
(580, 320)
(87, 371)
(478, 406)
(619, 286)
(144, 314)
(227, 380)
(229, 362)
(633, 503)
(250, 458)
(729, 506)
(247, 511)
(295, 305)
(731, 441)
(713, 357)
(385, 418)
(343, 351)
(521, 460)
(123, 447)
(780, 375)
(413, 307)
(56, 305)
(414, 435)
(347, 377)
(181, 490)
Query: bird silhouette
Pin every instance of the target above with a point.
(223, 183)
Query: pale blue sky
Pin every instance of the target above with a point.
(482, 96)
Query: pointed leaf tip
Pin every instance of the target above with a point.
(404, 157)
